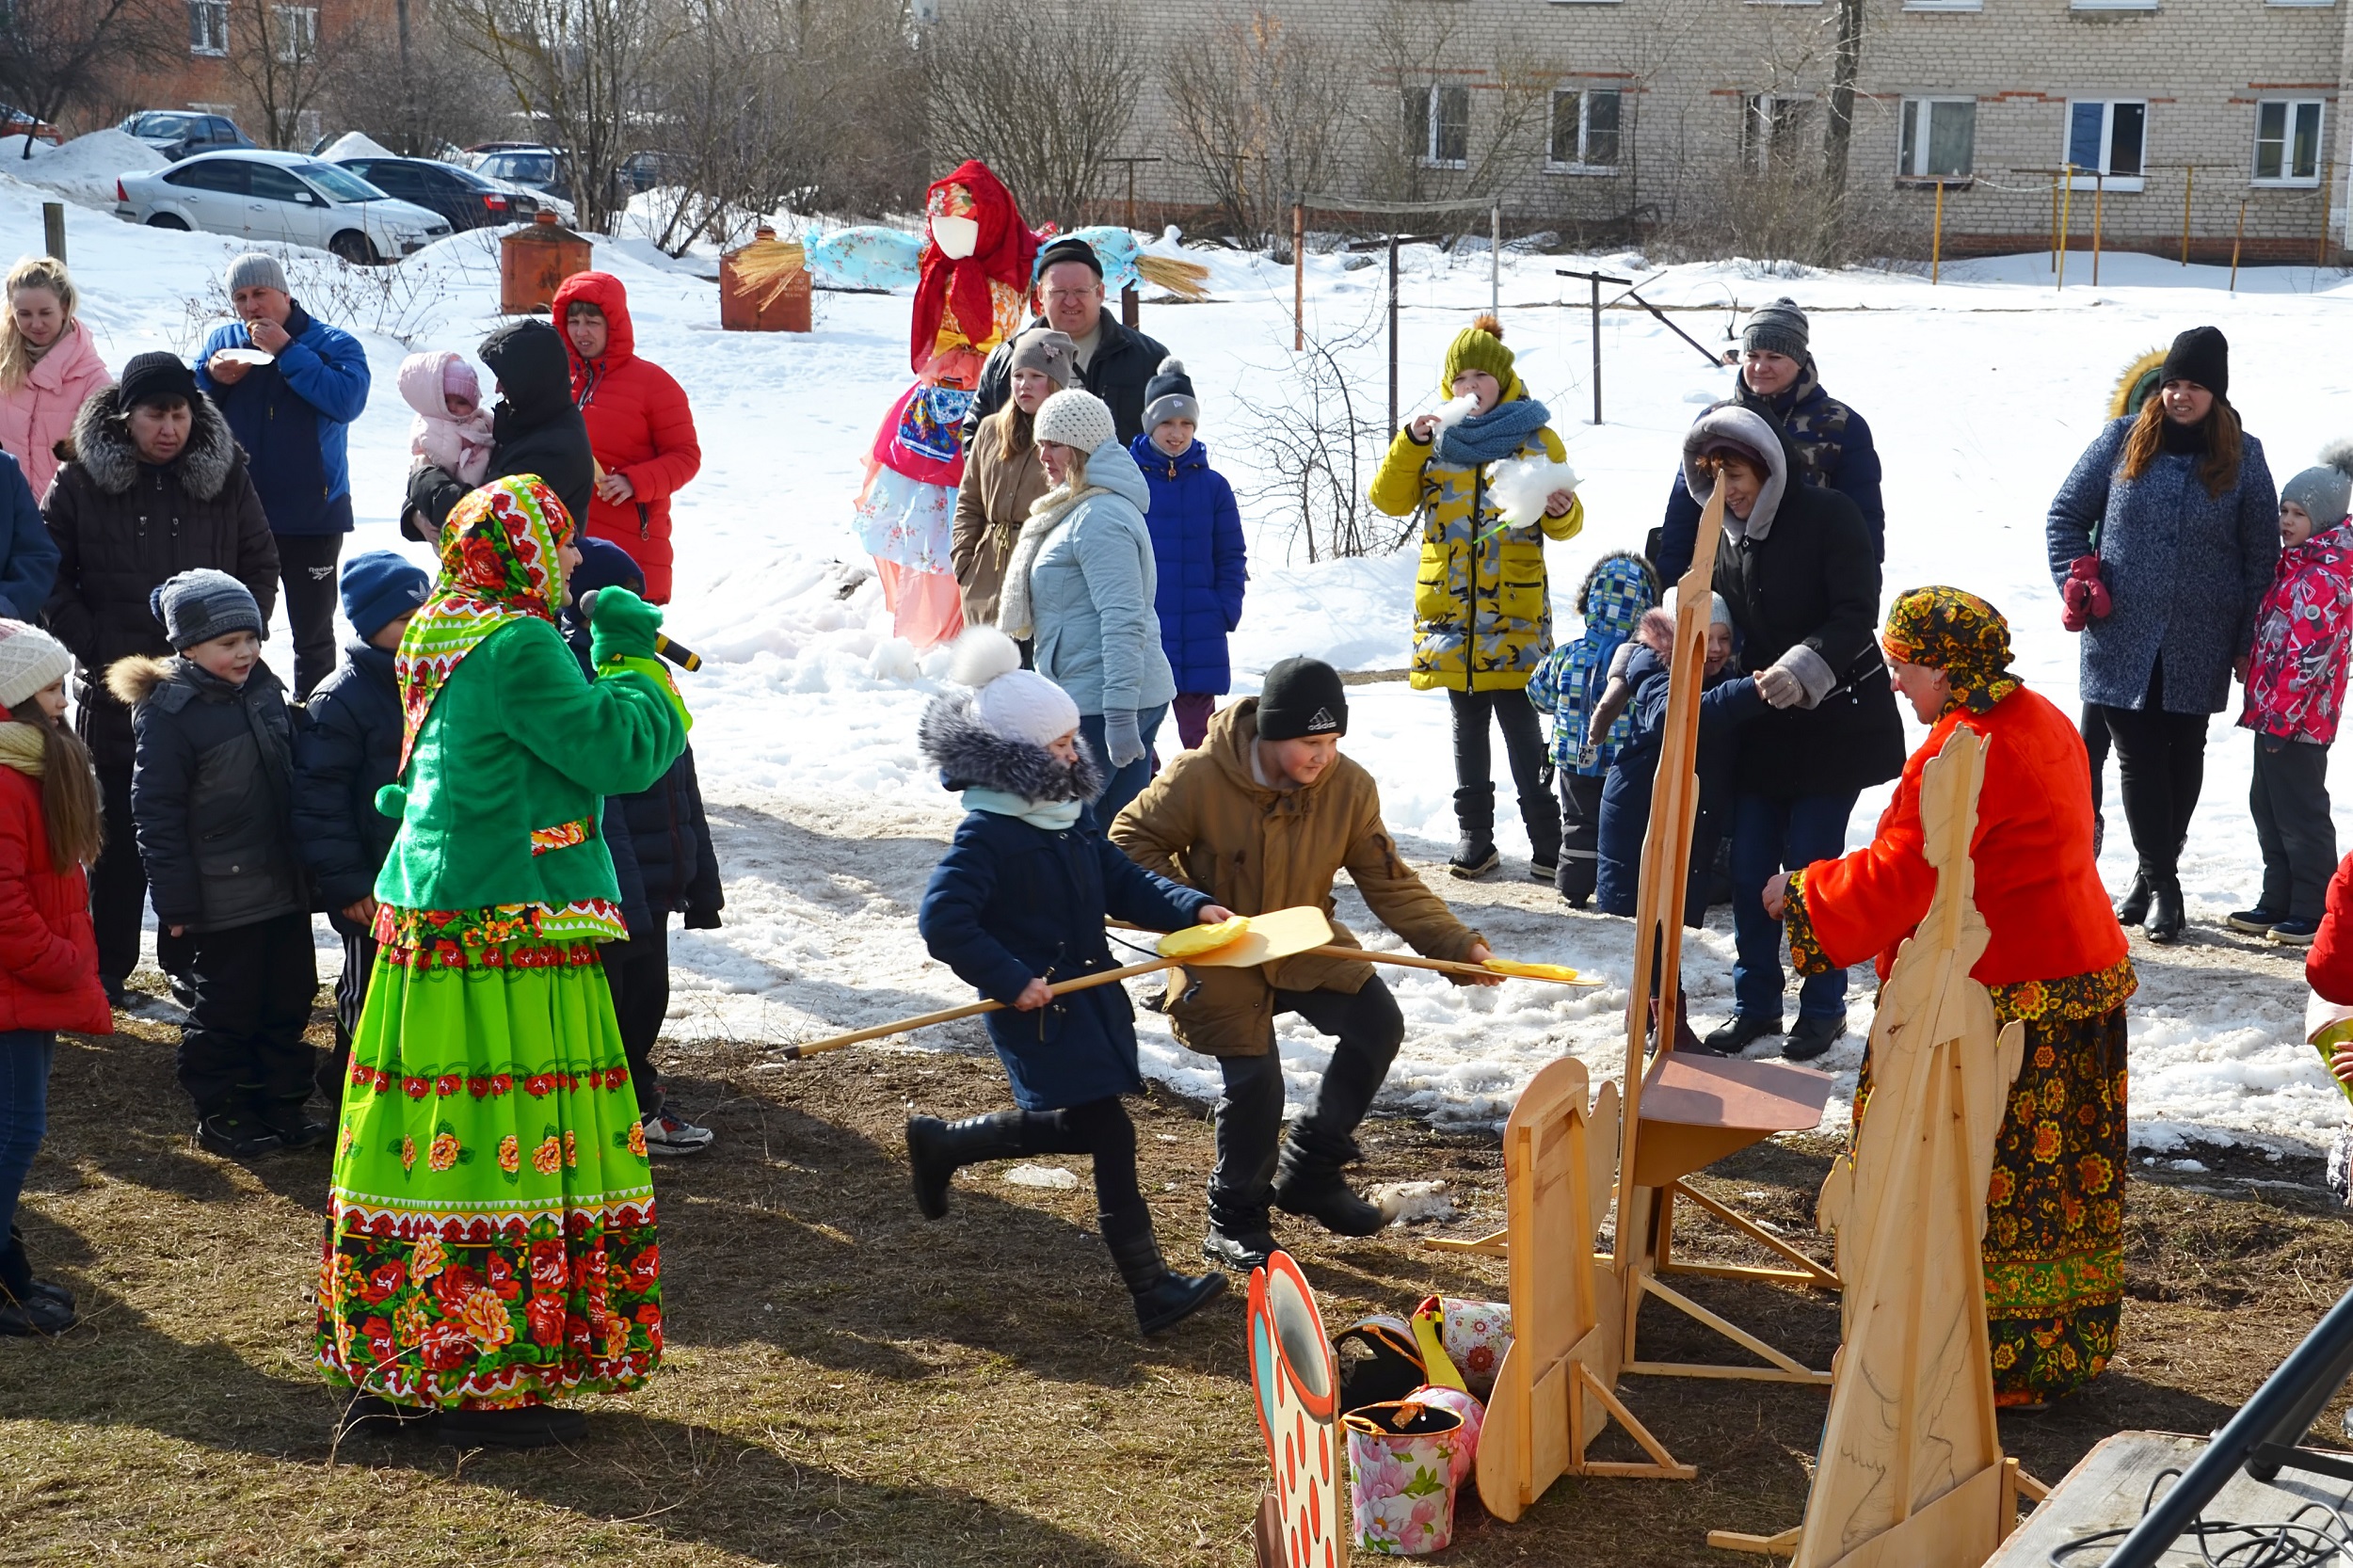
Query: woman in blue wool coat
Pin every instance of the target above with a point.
(1197, 542)
(1015, 906)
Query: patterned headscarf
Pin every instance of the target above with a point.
(499, 564)
(1957, 632)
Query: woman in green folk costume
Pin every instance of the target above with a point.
(490, 1239)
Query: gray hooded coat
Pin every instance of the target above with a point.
(1092, 589)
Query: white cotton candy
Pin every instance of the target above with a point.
(1521, 487)
(1454, 410)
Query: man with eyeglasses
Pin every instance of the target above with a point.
(1115, 362)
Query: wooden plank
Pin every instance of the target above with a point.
(2108, 1487)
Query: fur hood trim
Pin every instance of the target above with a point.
(134, 680)
(100, 443)
(969, 753)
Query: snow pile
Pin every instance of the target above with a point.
(85, 168)
(356, 144)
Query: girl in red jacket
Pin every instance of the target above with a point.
(639, 425)
(49, 831)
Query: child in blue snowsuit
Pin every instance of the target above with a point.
(1017, 906)
(1569, 685)
(1197, 546)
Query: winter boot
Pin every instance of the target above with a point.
(2133, 908)
(237, 1133)
(18, 1271)
(530, 1426)
(1311, 1184)
(2165, 915)
(297, 1128)
(1238, 1237)
(936, 1149)
(1475, 820)
(25, 1310)
(1541, 815)
(1162, 1299)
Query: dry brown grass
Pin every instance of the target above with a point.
(850, 1385)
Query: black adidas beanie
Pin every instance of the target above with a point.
(1302, 698)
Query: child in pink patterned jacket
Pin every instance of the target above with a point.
(2296, 679)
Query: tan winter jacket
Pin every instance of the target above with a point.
(1206, 821)
(991, 506)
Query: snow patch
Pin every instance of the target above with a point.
(1411, 1203)
(1052, 1177)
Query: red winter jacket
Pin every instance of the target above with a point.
(639, 425)
(48, 953)
(2329, 963)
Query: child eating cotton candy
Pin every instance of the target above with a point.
(452, 430)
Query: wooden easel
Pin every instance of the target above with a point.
(1911, 1471)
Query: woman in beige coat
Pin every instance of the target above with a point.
(1001, 471)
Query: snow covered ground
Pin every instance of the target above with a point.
(1981, 393)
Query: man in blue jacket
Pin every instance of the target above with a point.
(292, 415)
(1832, 443)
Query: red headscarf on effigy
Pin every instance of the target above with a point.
(1005, 252)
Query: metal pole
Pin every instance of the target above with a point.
(2055, 221)
(1299, 275)
(2099, 195)
(2067, 204)
(1494, 256)
(2327, 178)
(2189, 182)
(1936, 239)
(1131, 193)
(53, 229)
(1393, 334)
(2237, 241)
(1596, 283)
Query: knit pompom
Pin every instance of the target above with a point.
(983, 654)
(2338, 454)
(1487, 323)
(1172, 366)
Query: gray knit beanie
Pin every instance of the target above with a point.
(1050, 353)
(2325, 493)
(255, 270)
(197, 606)
(1779, 327)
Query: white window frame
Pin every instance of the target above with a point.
(208, 28)
(1760, 126)
(1432, 95)
(1581, 163)
(298, 32)
(2112, 5)
(2288, 179)
(2125, 183)
(1943, 4)
(1922, 105)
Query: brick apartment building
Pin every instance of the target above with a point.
(2216, 109)
(210, 77)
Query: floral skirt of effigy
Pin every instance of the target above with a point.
(490, 1225)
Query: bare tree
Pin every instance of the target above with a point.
(1469, 116)
(285, 63)
(61, 55)
(1041, 90)
(1259, 108)
(1317, 446)
(417, 97)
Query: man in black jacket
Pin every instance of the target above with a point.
(534, 430)
(1113, 361)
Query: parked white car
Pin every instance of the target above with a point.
(285, 197)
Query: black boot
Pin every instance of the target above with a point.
(531, 1426)
(2166, 916)
(936, 1149)
(17, 1272)
(2133, 908)
(1238, 1237)
(1162, 1299)
(1311, 1184)
(297, 1128)
(1475, 843)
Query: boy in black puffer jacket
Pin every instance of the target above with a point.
(668, 840)
(349, 750)
(210, 793)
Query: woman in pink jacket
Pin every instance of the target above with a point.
(48, 367)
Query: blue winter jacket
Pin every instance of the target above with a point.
(1010, 901)
(1832, 446)
(1571, 679)
(29, 569)
(2185, 570)
(291, 418)
(1728, 699)
(1091, 589)
(1197, 542)
(349, 750)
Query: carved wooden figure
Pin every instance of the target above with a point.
(1297, 1383)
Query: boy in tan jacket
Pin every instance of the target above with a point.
(1261, 817)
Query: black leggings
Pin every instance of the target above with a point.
(2161, 766)
(1100, 1128)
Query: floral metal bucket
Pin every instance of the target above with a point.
(1403, 1476)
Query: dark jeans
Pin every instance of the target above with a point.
(351, 1000)
(1100, 1128)
(306, 576)
(1770, 837)
(1474, 768)
(2161, 765)
(1581, 836)
(243, 1042)
(1121, 784)
(2290, 804)
(638, 970)
(1250, 1112)
(1191, 711)
(25, 1055)
(118, 890)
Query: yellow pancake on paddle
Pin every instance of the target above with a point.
(1560, 972)
(1194, 940)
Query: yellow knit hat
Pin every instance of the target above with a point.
(1480, 346)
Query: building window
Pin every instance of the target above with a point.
(1437, 126)
(1772, 129)
(298, 28)
(1940, 140)
(2106, 138)
(2288, 142)
(208, 27)
(1584, 130)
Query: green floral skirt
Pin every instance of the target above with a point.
(490, 1227)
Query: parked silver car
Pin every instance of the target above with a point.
(285, 197)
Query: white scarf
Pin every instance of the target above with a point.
(1048, 512)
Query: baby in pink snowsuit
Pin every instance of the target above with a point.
(452, 430)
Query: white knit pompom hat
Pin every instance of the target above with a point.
(1014, 703)
(1074, 417)
(30, 660)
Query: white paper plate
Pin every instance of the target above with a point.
(247, 356)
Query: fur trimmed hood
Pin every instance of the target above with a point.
(968, 753)
(100, 443)
(135, 680)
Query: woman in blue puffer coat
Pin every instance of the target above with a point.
(1196, 539)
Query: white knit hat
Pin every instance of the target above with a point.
(1014, 703)
(1074, 417)
(30, 660)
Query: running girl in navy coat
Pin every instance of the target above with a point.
(1197, 544)
(1018, 905)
